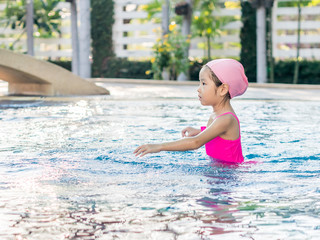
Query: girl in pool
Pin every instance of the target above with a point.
(220, 81)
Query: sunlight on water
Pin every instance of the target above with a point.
(67, 171)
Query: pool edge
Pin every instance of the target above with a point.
(193, 83)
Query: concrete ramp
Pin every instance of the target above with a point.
(27, 75)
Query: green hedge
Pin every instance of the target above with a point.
(102, 12)
(283, 72)
(248, 41)
(122, 68)
(195, 68)
(309, 72)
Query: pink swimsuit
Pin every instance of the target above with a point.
(225, 150)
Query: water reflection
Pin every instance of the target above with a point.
(219, 203)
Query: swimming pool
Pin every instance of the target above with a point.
(67, 170)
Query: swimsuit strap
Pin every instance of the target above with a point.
(232, 115)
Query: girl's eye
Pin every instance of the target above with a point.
(203, 83)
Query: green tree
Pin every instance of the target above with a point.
(205, 24)
(152, 9)
(47, 17)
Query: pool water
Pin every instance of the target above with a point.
(67, 170)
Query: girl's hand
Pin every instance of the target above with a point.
(190, 132)
(147, 148)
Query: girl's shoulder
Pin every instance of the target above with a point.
(229, 116)
(226, 115)
(224, 119)
(230, 123)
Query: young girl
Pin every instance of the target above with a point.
(220, 80)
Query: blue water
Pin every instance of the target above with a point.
(67, 171)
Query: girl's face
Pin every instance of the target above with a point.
(207, 91)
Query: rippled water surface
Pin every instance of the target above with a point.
(67, 171)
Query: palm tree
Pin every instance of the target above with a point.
(26, 14)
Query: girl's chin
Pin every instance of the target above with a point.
(203, 103)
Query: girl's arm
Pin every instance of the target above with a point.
(183, 144)
(218, 127)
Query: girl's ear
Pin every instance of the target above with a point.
(224, 89)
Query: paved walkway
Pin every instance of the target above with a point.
(148, 88)
(133, 89)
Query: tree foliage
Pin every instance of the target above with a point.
(204, 23)
(47, 16)
(169, 53)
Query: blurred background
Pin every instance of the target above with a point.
(276, 41)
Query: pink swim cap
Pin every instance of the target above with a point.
(231, 72)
